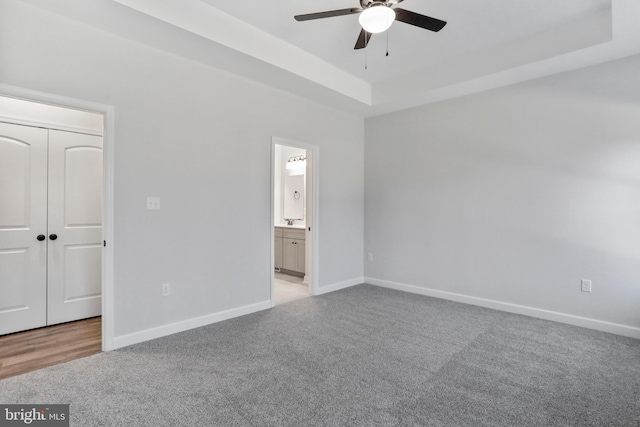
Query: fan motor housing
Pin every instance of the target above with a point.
(368, 3)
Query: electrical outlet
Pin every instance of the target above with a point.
(370, 256)
(166, 289)
(585, 285)
(153, 203)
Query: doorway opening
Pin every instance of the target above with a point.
(294, 220)
(52, 233)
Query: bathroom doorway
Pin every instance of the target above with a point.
(293, 221)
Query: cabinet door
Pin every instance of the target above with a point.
(289, 254)
(301, 256)
(278, 252)
(23, 217)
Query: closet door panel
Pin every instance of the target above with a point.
(23, 217)
(75, 217)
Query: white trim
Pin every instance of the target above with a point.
(108, 204)
(27, 113)
(108, 232)
(340, 285)
(570, 319)
(272, 232)
(185, 325)
(48, 125)
(312, 238)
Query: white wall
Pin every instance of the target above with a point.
(181, 128)
(514, 195)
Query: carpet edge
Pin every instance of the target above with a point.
(185, 325)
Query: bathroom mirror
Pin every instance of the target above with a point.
(294, 197)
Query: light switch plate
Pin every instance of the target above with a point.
(153, 203)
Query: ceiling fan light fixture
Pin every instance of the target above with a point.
(377, 19)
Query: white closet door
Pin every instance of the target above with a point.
(23, 217)
(75, 218)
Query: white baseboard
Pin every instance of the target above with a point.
(184, 325)
(340, 285)
(598, 325)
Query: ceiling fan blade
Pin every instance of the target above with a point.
(422, 21)
(363, 39)
(327, 14)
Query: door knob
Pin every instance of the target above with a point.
(40, 237)
(53, 236)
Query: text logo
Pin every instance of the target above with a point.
(34, 415)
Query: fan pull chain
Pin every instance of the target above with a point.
(387, 43)
(365, 58)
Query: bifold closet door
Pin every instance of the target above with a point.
(23, 228)
(74, 227)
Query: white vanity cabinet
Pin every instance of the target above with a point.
(292, 249)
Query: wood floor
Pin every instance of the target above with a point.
(27, 351)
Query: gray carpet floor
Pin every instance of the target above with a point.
(364, 356)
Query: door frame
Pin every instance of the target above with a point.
(312, 207)
(108, 112)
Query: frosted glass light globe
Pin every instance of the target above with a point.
(377, 19)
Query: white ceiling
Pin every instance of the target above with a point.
(471, 26)
(484, 45)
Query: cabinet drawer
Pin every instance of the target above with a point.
(294, 234)
(279, 232)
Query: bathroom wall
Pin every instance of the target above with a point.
(282, 155)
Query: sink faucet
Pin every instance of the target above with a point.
(289, 221)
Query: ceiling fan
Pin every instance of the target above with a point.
(377, 16)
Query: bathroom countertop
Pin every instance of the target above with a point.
(295, 226)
